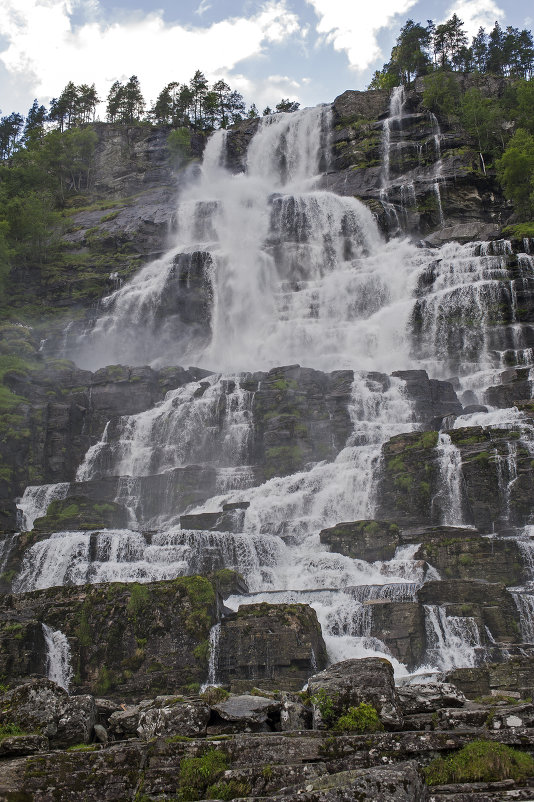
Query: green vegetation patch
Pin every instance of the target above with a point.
(519, 231)
(197, 774)
(480, 761)
(363, 718)
(8, 728)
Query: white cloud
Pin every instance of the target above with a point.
(203, 6)
(351, 27)
(476, 13)
(47, 50)
(269, 91)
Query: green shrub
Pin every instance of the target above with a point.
(213, 695)
(363, 718)
(480, 761)
(9, 728)
(325, 704)
(139, 599)
(197, 774)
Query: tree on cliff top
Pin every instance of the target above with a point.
(125, 102)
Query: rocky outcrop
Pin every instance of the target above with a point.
(42, 707)
(489, 605)
(270, 646)
(400, 625)
(512, 679)
(348, 684)
(467, 196)
(363, 540)
(79, 512)
(173, 744)
(412, 493)
(155, 636)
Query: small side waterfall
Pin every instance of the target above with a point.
(36, 499)
(58, 658)
(439, 165)
(525, 604)
(213, 667)
(452, 641)
(449, 497)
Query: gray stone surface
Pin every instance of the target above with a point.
(351, 682)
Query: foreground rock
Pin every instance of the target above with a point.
(161, 744)
(351, 682)
(42, 707)
(270, 646)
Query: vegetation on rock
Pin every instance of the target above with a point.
(480, 761)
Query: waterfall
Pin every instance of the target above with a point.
(58, 659)
(268, 269)
(436, 130)
(394, 118)
(525, 605)
(449, 497)
(215, 635)
(452, 641)
(36, 499)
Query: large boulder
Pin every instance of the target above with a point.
(351, 682)
(362, 540)
(247, 713)
(42, 707)
(276, 646)
(429, 697)
(168, 716)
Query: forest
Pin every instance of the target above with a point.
(45, 158)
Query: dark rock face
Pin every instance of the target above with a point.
(78, 512)
(270, 646)
(514, 679)
(410, 484)
(409, 473)
(300, 416)
(155, 635)
(66, 413)
(225, 521)
(401, 626)
(351, 682)
(433, 399)
(471, 202)
(363, 540)
(464, 554)
(491, 605)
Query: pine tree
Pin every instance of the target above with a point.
(34, 126)
(479, 47)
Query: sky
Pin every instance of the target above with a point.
(305, 50)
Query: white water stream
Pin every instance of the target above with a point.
(288, 274)
(58, 658)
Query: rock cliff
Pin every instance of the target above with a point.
(274, 574)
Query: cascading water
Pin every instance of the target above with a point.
(215, 635)
(58, 662)
(34, 503)
(268, 270)
(452, 641)
(449, 498)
